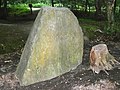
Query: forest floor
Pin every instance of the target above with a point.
(80, 78)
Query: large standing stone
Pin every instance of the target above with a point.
(54, 46)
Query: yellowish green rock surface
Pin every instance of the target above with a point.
(54, 46)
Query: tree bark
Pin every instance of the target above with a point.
(52, 2)
(110, 14)
(89, 8)
(98, 6)
(5, 9)
(115, 6)
(0, 3)
(86, 5)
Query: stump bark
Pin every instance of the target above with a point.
(101, 59)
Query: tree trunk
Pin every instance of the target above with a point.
(101, 59)
(52, 2)
(86, 5)
(98, 6)
(115, 6)
(110, 14)
(0, 3)
(5, 4)
(89, 8)
(5, 9)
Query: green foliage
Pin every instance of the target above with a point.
(12, 2)
(117, 17)
(114, 30)
(30, 1)
(36, 1)
(22, 9)
(118, 2)
(89, 26)
(19, 9)
(38, 5)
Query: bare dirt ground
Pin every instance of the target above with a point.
(78, 79)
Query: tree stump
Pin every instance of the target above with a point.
(101, 59)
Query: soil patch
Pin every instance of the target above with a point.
(80, 78)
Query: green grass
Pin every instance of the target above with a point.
(12, 38)
(89, 27)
